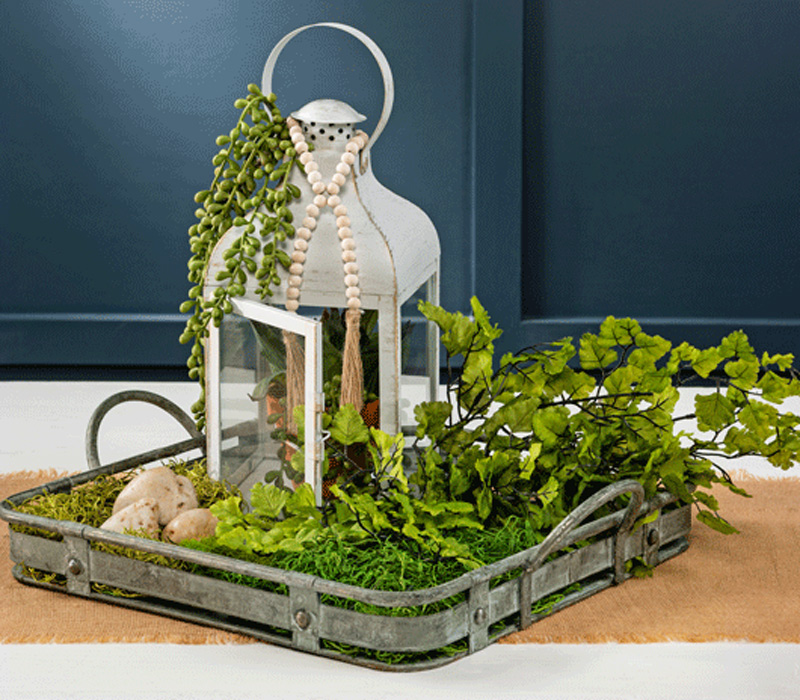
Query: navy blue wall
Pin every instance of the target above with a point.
(578, 158)
(662, 170)
(108, 122)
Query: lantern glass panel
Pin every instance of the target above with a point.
(419, 356)
(253, 442)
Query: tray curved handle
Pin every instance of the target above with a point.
(555, 540)
(92, 430)
(383, 64)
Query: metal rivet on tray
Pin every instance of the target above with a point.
(74, 566)
(302, 618)
(480, 616)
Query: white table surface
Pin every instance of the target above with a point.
(42, 425)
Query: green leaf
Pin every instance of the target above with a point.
(550, 425)
(432, 417)
(458, 331)
(228, 510)
(714, 412)
(387, 454)
(706, 361)
(451, 547)
(773, 388)
(446, 507)
(388, 445)
(676, 486)
(235, 538)
(742, 442)
(488, 331)
(653, 346)
(484, 502)
(706, 499)
(639, 568)
(460, 481)
(529, 462)
(299, 414)
(674, 465)
(683, 353)
(735, 489)
(268, 500)
(407, 508)
(576, 385)
(366, 508)
(298, 462)
(651, 517)
(619, 331)
(736, 345)
(482, 467)
(260, 390)
(549, 492)
(784, 362)
(759, 418)
(412, 531)
(436, 314)
(476, 376)
(665, 399)
(348, 427)
(620, 382)
(595, 353)
(516, 416)
(716, 523)
(302, 500)
(553, 362)
(743, 372)
(272, 475)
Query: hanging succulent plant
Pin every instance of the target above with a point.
(250, 186)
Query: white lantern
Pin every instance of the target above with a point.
(357, 246)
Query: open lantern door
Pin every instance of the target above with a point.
(248, 430)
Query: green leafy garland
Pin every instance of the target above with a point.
(250, 190)
(533, 438)
(539, 431)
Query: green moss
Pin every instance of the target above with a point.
(389, 565)
(92, 503)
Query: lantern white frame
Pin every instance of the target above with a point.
(398, 254)
(403, 245)
(310, 331)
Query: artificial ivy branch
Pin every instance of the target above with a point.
(250, 190)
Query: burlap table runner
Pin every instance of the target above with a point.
(738, 587)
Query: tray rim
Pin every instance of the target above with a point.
(474, 584)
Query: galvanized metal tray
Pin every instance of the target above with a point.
(299, 614)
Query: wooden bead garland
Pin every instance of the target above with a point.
(328, 195)
(313, 211)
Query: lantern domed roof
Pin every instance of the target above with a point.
(328, 111)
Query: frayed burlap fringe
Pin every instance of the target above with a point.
(738, 475)
(35, 477)
(211, 636)
(724, 588)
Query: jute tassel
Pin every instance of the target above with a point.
(352, 369)
(295, 378)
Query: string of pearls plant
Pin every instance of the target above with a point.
(250, 185)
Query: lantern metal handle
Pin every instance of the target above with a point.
(383, 64)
